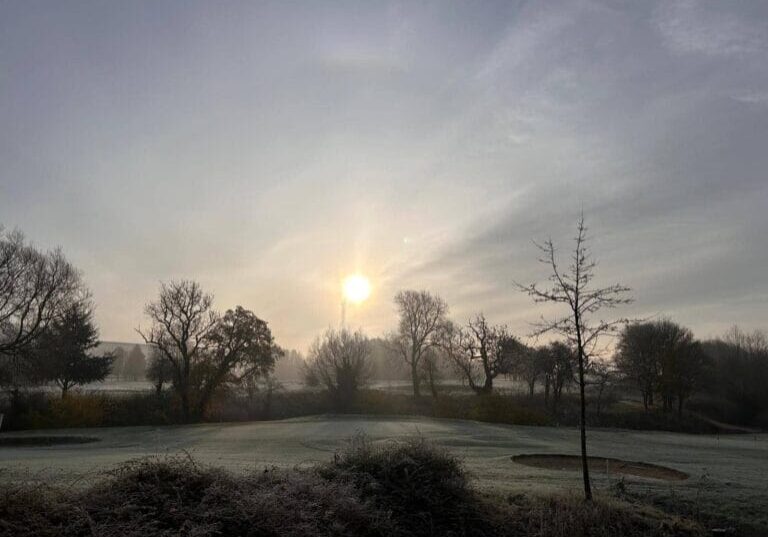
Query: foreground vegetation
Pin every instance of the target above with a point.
(403, 489)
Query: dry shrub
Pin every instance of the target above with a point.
(423, 487)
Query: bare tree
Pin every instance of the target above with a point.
(573, 288)
(481, 351)
(458, 347)
(421, 316)
(182, 319)
(34, 287)
(340, 362)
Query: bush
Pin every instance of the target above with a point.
(425, 488)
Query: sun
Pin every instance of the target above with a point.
(356, 288)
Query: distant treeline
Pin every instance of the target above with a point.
(196, 355)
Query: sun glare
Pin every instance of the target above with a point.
(356, 288)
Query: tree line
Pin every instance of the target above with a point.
(48, 334)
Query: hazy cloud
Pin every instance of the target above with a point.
(269, 149)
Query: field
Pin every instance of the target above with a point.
(727, 473)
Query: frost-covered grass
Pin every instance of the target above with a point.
(728, 473)
(394, 489)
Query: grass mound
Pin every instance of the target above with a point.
(408, 489)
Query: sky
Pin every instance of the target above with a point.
(268, 149)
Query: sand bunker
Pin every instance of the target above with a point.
(601, 465)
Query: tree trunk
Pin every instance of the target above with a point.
(267, 409)
(184, 394)
(430, 367)
(488, 385)
(583, 414)
(415, 379)
(599, 400)
(432, 385)
(583, 425)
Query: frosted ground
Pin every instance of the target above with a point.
(728, 474)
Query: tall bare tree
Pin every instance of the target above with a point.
(181, 319)
(421, 316)
(34, 287)
(573, 287)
